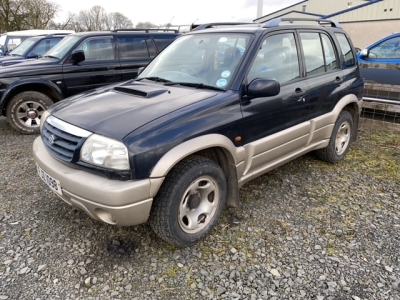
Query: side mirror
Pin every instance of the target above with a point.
(364, 53)
(32, 55)
(140, 70)
(77, 56)
(261, 87)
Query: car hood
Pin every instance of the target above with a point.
(7, 58)
(117, 110)
(28, 65)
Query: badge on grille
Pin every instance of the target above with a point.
(52, 139)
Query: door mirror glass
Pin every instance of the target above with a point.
(261, 87)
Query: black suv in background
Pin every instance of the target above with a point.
(80, 62)
(31, 48)
(216, 109)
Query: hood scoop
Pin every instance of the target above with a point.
(140, 90)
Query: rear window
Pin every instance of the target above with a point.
(346, 50)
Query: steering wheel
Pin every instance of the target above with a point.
(188, 70)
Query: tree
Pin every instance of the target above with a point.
(38, 13)
(93, 19)
(118, 20)
(145, 25)
(26, 14)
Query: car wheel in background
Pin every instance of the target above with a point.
(25, 111)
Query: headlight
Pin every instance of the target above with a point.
(105, 152)
(43, 119)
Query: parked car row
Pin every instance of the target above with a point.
(79, 62)
(380, 66)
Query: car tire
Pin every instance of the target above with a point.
(189, 202)
(340, 141)
(25, 110)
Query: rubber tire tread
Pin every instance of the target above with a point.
(328, 154)
(162, 216)
(31, 95)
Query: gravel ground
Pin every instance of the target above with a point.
(307, 230)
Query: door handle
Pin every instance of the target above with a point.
(110, 68)
(338, 80)
(298, 93)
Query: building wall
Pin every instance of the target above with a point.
(383, 10)
(365, 33)
(323, 7)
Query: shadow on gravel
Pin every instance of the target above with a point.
(119, 247)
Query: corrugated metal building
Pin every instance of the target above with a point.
(365, 20)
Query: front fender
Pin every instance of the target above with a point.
(176, 154)
(23, 83)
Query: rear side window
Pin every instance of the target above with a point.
(346, 50)
(319, 53)
(163, 41)
(133, 47)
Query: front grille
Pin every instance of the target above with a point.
(59, 143)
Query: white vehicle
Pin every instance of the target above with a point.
(10, 40)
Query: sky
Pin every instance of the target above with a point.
(177, 12)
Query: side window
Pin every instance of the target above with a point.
(132, 47)
(276, 59)
(313, 53)
(98, 49)
(163, 41)
(346, 50)
(44, 46)
(387, 49)
(329, 53)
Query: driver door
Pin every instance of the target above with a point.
(100, 67)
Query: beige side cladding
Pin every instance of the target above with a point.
(365, 33)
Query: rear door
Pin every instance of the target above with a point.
(135, 51)
(100, 67)
(323, 72)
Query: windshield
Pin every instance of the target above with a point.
(63, 47)
(22, 48)
(210, 59)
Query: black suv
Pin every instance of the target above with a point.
(80, 62)
(31, 48)
(217, 108)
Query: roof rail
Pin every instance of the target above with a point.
(275, 22)
(210, 25)
(147, 29)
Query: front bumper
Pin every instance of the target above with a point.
(123, 203)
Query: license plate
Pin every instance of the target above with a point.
(52, 183)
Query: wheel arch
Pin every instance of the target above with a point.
(213, 146)
(47, 88)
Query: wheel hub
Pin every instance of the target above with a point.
(194, 201)
(32, 114)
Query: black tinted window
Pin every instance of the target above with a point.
(133, 47)
(163, 41)
(346, 50)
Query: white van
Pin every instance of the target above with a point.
(10, 40)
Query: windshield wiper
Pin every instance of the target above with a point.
(51, 56)
(13, 54)
(196, 85)
(153, 78)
